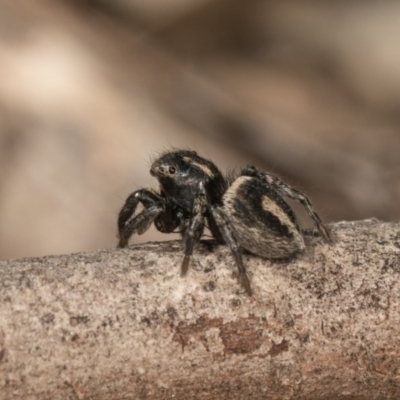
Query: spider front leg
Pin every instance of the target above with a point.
(194, 230)
(128, 223)
(230, 240)
(294, 194)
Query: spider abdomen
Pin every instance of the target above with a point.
(262, 222)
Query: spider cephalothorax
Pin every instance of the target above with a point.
(248, 213)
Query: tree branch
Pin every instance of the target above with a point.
(122, 324)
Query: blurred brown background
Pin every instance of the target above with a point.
(90, 90)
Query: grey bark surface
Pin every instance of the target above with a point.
(122, 324)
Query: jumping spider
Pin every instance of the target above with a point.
(244, 212)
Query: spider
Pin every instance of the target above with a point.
(246, 212)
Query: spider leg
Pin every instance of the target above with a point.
(294, 194)
(213, 227)
(144, 196)
(230, 240)
(128, 223)
(194, 229)
(140, 223)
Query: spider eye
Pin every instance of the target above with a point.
(172, 170)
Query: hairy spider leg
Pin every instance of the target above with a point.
(230, 240)
(194, 230)
(214, 229)
(294, 194)
(140, 223)
(128, 223)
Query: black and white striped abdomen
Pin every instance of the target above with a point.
(262, 222)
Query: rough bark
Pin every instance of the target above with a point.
(122, 324)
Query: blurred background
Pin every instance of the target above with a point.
(90, 90)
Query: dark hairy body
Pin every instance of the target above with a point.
(244, 212)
